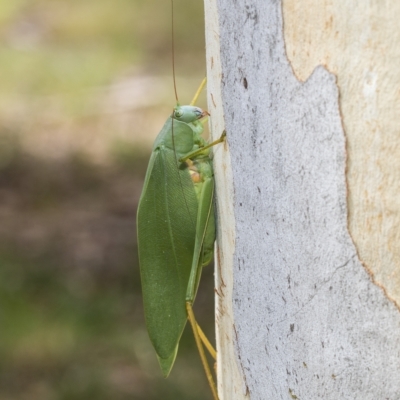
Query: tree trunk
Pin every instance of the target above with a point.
(308, 197)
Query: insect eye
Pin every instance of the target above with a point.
(178, 113)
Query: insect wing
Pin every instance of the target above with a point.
(166, 235)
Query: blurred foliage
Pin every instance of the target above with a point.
(50, 46)
(78, 74)
(82, 96)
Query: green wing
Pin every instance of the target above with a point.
(166, 234)
(166, 364)
(176, 233)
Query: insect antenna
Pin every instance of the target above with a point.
(179, 164)
(173, 50)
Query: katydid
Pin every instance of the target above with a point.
(176, 231)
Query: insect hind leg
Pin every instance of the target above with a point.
(200, 348)
(206, 342)
(201, 87)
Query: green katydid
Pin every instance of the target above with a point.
(176, 232)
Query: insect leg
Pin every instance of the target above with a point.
(207, 343)
(199, 151)
(201, 87)
(201, 350)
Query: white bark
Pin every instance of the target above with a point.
(298, 314)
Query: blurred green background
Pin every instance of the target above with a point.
(84, 88)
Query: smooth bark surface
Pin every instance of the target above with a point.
(359, 43)
(298, 315)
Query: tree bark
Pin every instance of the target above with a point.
(307, 189)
